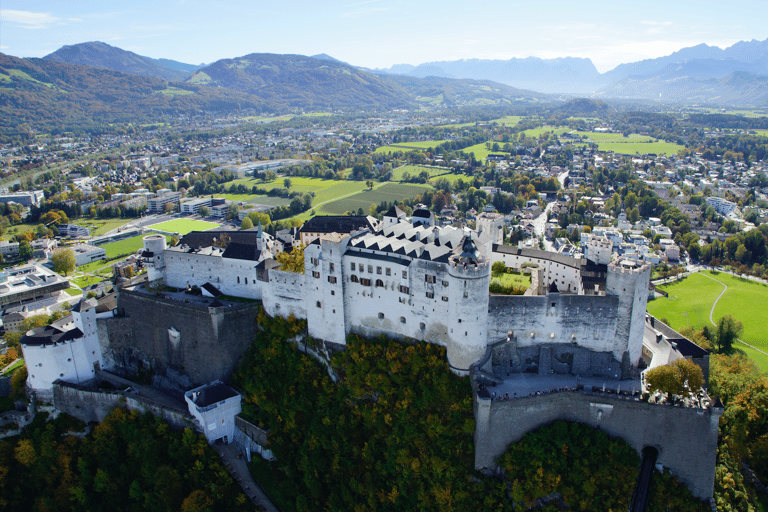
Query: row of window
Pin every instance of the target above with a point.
(431, 295)
(359, 266)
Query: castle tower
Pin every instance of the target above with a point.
(469, 272)
(154, 248)
(323, 267)
(628, 281)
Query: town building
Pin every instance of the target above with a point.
(215, 406)
(29, 282)
(24, 198)
(86, 253)
(157, 204)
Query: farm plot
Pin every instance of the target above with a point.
(389, 192)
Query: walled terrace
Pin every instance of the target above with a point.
(180, 296)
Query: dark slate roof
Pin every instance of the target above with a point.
(107, 303)
(212, 289)
(336, 224)
(201, 239)
(536, 253)
(84, 305)
(48, 335)
(268, 264)
(684, 345)
(422, 212)
(240, 251)
(553, 288)
(213, 394)
(395, 212)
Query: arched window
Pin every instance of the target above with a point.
(379, 283)
(354, 279)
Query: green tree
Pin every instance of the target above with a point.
(287, 183)
(728, 331)
(292, 261)
(204, 211)
(247, 223)
(25, 250)
(63, 261)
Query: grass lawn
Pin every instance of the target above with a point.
(73, 291)
(691, 299)
(481, 151)
(17, 229)
(538, 132)
(102, 226)
(507, 120)
(83, 281)
(689, 302)
(599, 137)
(184, 226)
(506, 279)
(387, 192)
(97, 265)
(125, 247)
(17, 364)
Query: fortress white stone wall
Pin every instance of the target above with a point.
(418, 283)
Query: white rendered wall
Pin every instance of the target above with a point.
(631, 287)
(323, 266)
(219, 420)
(231, 276)
(568, 278)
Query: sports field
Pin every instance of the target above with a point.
(690, 301)
(184, 226)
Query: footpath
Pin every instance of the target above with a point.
(238, 468)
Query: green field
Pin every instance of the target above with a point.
(124, 247)
(631, 148)
(507, 120)
(415, 170)
(507, 279)
(102, 226)
(481, 151)
(84, 280)
(256, 199)
(538, 132)
(690, 301)
(389, 192)
(73, 291)
(184, 226)
(615, 137)
(425, 144)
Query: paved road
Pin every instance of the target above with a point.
(540, 223)
(238, 468)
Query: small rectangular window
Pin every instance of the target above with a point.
(445, 299)
(430, 295)
(430, 279)
(445, 283)
(316, 274)
(378, 270)
(370, 269)
(365, 282)
(319, 304)
(352, 266)
(405, 274)
(332, 279)
(361, 267)
(466, 295)
(404, 289)
(330, 267)
(389, 271)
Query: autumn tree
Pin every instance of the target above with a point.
(292, 261)
(681, 377)
(63, 261)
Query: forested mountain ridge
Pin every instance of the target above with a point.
(41, 94)
(102, 55)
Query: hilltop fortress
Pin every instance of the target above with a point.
(424, 283)
(573, 346)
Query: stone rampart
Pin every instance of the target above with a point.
(588, 321)
(204, 343)
(685, 437)
(94, 405)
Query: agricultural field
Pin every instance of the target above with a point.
(631, 148)
(507, 120)
(424, 144)
(538, 132)
(690, 301)
(256, 199)
(184, 226)
(599, 137)
(481, 151)
(387, 192)
(415, 170)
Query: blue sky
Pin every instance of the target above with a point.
(380, 33)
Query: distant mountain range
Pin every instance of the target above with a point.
(90, 83)
(713, 75)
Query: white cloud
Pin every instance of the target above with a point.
(28, 19)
